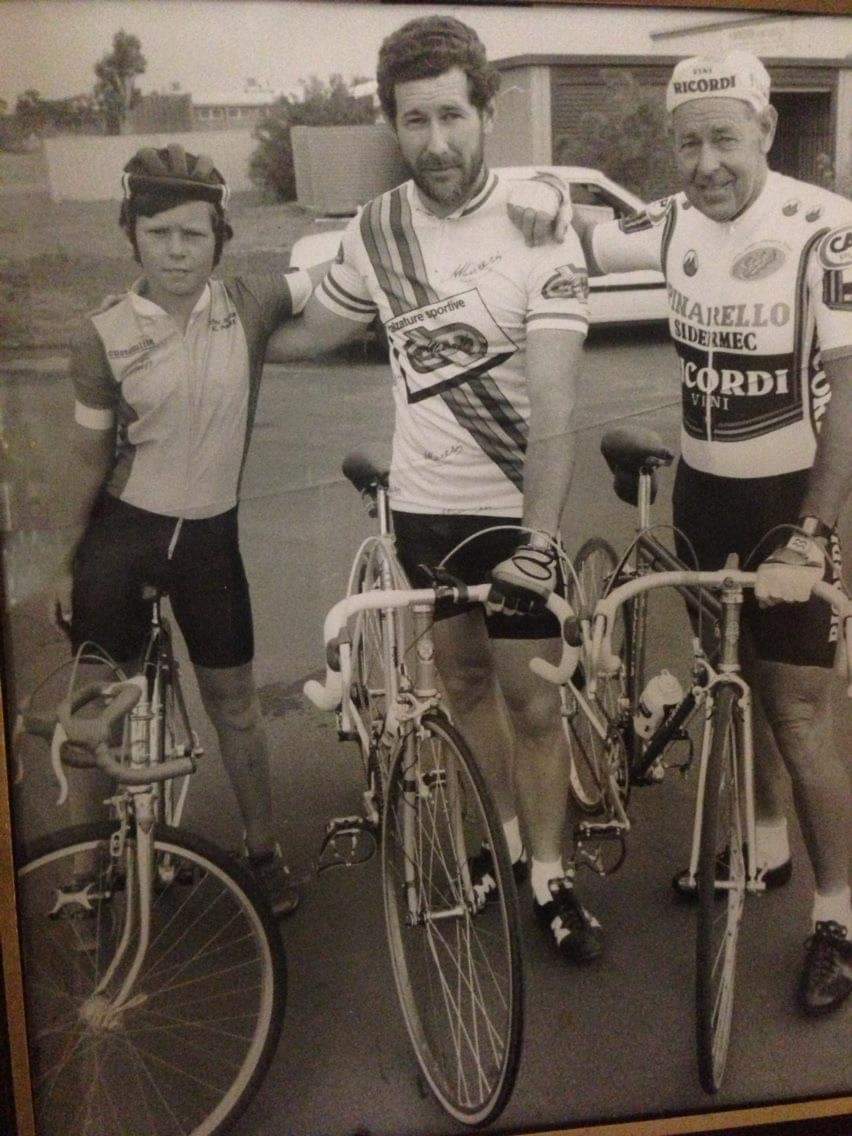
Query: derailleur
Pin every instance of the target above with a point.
(348, 841)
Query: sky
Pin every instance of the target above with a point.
(212, 46)
(52, 45)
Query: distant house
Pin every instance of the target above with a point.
(543, 97)
(229, 110)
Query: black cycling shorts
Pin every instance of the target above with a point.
(125, 548)
(720, 515)
(426, 538)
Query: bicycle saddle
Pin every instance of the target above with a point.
(629, 451)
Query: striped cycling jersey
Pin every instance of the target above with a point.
(182, 402)
(755, 307)
(456, 295)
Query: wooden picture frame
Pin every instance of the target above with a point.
(806, 1117)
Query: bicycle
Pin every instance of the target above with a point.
(456, 960)
(154, 973)
(597, 678)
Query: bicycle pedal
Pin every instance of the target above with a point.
(74, 901)
(348, 841)
(600, 847)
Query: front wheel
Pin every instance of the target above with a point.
(721, 890)
(596, 761)
(379, 640)
(457, 967)
(189, 1046)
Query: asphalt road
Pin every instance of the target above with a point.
(612, 1041)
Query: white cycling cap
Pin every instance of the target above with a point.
(736, 75)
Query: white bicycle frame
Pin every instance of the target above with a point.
(595, 650)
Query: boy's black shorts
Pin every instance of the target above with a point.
(125, 548)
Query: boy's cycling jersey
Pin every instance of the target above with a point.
(183, 401)
(756, 305)
(456, 295)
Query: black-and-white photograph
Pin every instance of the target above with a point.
(425, 469)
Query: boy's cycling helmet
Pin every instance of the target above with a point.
(155, 180)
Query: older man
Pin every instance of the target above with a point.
(759, 275)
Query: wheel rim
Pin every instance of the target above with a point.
(181, 1054)
(454, 973)
(594, 566)
(720, 918)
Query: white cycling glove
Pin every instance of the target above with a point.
(789, 574)
(523, 582)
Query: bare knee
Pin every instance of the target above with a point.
(229, 698)
(468, 683)
(535, 713)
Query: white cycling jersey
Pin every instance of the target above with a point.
(456, 295)
(755, 307)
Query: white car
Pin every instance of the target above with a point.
(616, 298)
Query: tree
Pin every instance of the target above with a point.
(321, 104)
(627, 137)
(116, 73)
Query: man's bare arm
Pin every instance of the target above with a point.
(830, 480)
(316, 332)
(553, 364)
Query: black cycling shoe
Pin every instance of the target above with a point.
(482, 874)
(273, 875)
(772, 878)
(574, 931)
(826, 978)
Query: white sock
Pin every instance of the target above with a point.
(512, 832)
(540, 875)
(835, 907)
(772, 844)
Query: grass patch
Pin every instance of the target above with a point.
(60, 258)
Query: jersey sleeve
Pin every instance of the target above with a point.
(634, 242)
(830, 283)
(96, 392)
(344, 289)
(558, 287)
(278, 295)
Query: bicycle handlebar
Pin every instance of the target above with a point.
(327, 695)
(92, 735)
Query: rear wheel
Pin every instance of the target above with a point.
(595, 760)
(720, 861)
(195, 1035)
(457, 967)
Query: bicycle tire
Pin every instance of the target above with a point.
(593, 759)
(378, 645)
(635, 619)
(457, 967)
(211, 993)
(719, 917)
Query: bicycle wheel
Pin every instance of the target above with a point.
(457, 970)
(595, 761)
(378, 644)
(719, 917)
(189, 1048)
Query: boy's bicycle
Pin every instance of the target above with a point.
(456, 959)
(154, 973)
(615, 743)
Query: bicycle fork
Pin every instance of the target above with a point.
(435, 789)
